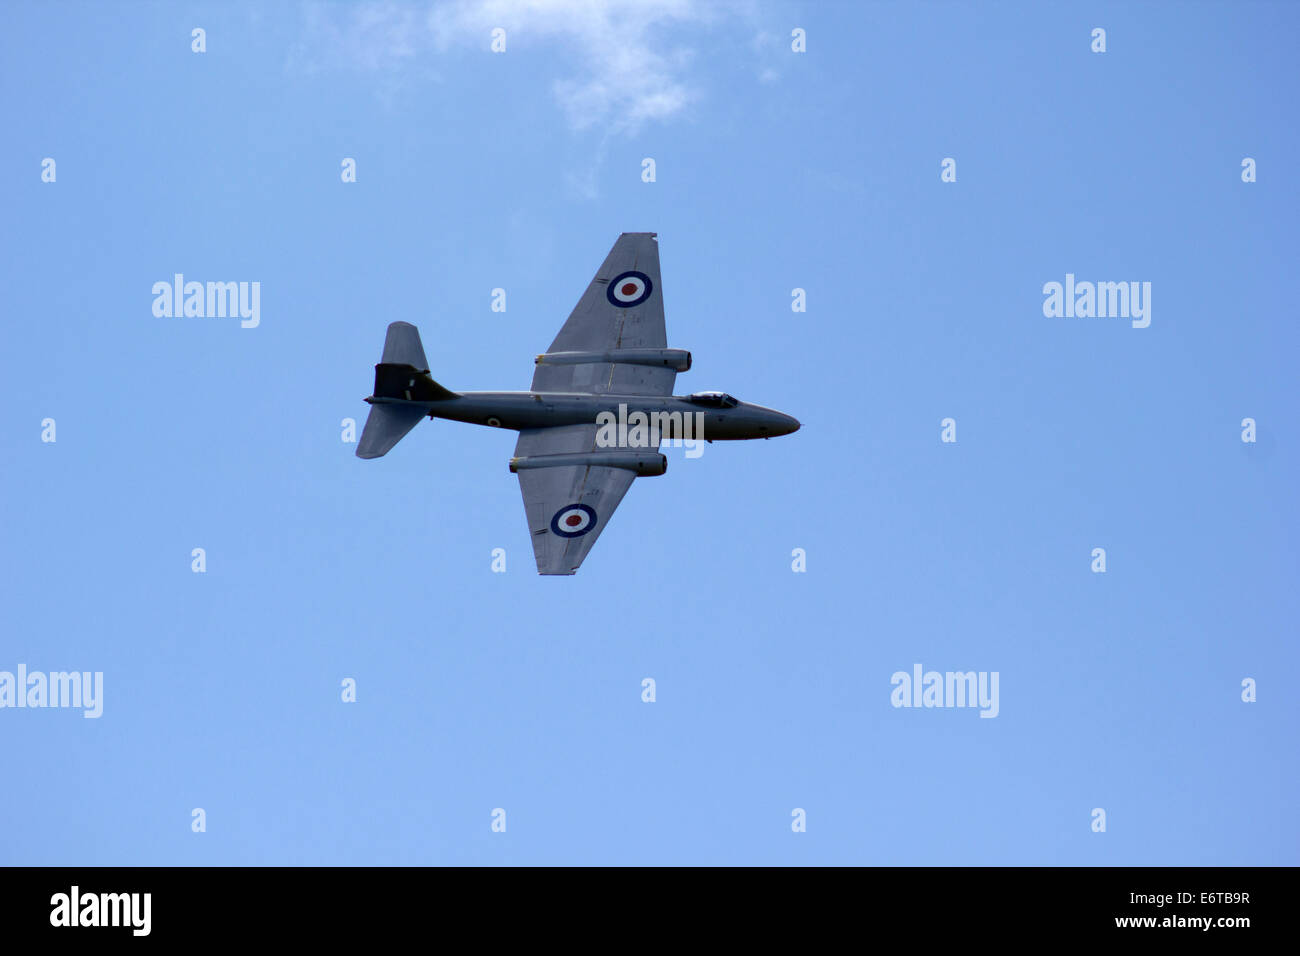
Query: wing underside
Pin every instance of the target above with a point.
(623, 308)
(567, 506)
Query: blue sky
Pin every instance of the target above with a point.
(775, 170)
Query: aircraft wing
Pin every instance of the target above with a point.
(567, 506)
(623, 308)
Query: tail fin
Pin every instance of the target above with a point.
(402, 346)
(401, 376)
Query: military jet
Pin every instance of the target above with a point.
(601, 400)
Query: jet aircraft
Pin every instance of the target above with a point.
(601, 398)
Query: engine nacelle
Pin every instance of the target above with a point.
(646, 464)
(677, 359)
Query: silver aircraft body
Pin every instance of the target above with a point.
(601, 400)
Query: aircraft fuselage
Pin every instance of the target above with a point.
(520, 410)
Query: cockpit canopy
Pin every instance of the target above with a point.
(712, 399)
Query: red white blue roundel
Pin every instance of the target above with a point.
(629, 289)
(573, 521)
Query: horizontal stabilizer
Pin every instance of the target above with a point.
(387, 425)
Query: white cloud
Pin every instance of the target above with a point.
(621, 63)
(373, 37)
(627, 69)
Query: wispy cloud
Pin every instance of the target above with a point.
(379, 37)
(628, 63)
(622, 63)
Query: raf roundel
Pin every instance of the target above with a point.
(573, 521)
(629, 289)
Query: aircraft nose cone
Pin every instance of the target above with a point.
(772, 424)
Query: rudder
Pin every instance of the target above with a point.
(402, 347)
